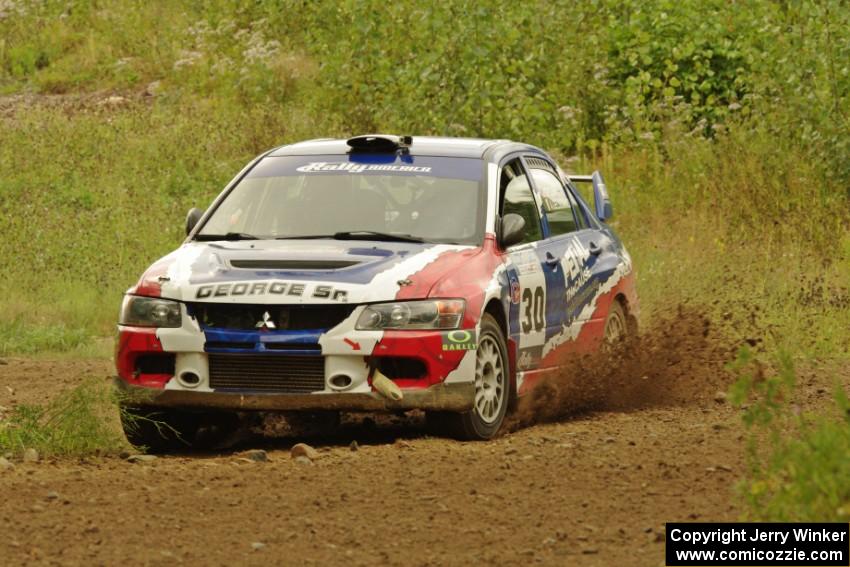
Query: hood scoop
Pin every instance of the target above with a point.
(292, 264)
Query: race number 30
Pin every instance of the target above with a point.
(533, 306)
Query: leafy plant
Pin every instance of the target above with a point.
(799, 470)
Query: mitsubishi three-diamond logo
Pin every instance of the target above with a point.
(267, 323)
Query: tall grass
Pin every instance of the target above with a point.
(799, 470)
(714, 225)
(78, 422)
(739, 225)
(724, 155)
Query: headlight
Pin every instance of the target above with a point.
(149, 312)
(431, 314)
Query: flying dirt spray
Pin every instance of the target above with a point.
(678, 358)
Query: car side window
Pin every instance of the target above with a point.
(557, 206)
(517, 198)
(581, 219)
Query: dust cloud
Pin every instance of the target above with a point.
(680, 358)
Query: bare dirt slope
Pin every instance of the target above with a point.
(590, 488)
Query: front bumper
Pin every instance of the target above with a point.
(442, 377)
(439, 397)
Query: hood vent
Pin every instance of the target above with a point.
(292, 264)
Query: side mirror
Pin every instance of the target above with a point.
(513, 230)
(192, 219)
(604, 209)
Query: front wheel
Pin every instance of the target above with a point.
(492, 389)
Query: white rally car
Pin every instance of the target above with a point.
(379, 273)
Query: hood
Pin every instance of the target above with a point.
(300, 272)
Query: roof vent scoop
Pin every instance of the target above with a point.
(379, 143)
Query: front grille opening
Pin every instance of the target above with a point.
(225, 344)
(293, 346)
(396, 367)
(287, 374)
(284, 317)
(161, 363)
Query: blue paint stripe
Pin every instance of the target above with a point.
(262, 341)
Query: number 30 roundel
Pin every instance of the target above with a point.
(528, 299)
(533, 306)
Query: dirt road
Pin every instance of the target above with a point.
(591, 488)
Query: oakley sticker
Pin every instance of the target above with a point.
(460, 339)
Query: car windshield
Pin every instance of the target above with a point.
(368, 196)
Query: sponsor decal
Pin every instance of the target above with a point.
(526, 262)
(324, 167)
(461, 339)
(574, 287)
(584, 296)
(275, 287)
(575, 258)
(515, 291)
(353, 344)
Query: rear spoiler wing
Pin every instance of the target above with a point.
(602, 203)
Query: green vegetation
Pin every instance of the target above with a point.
(81, 421)
(799, 470)
(722, 132)
(722, 129)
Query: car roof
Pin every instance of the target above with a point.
(491, 150)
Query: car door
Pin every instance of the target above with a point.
(570, 254)
(524, 270)
(587, 300)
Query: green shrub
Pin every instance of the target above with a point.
(799, 466)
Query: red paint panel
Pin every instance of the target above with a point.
(149, 284)
(453, 274)
(427, 346)
(464, 273)
(132, 343)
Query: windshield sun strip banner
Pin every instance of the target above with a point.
(369, 164)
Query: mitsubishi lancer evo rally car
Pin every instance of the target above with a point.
(379, 273)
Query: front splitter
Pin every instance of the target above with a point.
(440, 397)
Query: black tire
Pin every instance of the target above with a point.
(487, 416)
(165, 430)
(617, 328)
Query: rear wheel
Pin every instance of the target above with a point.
(616, 325)
(162, 430)
(492, 389)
